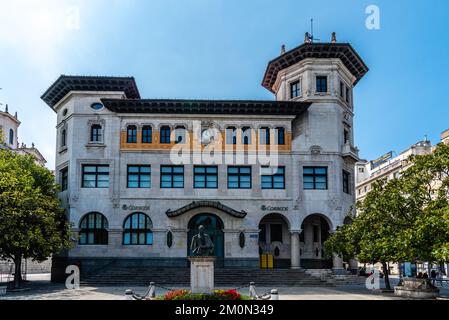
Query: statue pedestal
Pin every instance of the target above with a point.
(202, 274)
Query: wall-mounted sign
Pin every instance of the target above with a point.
(270, 208)
(381, 160)
(135, 208)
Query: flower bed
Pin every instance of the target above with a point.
(215, 295)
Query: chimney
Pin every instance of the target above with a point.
(282, 49)
(15, 115)
(334, 37)
(6, 109)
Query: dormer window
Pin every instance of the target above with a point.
(131, 134)
(96, 133)
(295, 89)
(321, 84)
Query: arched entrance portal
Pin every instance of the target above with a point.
(315, 231)
(274, 239)
(213, 226)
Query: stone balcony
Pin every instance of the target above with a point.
(350, 152)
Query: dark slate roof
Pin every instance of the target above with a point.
(64, 84)
(210, 204)
(342, 51)
(233, 107)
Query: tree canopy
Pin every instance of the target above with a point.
(32, 222)
(402, 219)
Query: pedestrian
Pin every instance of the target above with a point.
(433, 276)
(419, 276)
(425, 275)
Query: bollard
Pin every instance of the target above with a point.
(274, 295)
(129, 294)
(152, 291)
(252, 291)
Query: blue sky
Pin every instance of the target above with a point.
(219, 49)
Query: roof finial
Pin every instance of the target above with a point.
(334, 37)
(307, 38)
(282, 49)
(15, 115)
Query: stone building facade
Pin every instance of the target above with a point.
(131, 203)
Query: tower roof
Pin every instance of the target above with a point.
(64, 84)
(342, 51)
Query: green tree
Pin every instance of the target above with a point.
(404, 219)
(32, 222)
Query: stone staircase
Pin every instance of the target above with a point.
(225, 277)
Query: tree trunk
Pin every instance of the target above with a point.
(386, 275)
(17, 272)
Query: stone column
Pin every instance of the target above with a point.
(294, 243)
(337, 264)
(353, 266)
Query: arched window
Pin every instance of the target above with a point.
(137, 230)
(246, 135)
(93, 229)
(165, 134)
(280, 135)
(131, 134)
(264, 136)
(180, 133)
(95, 133)
(231, 135)
(147, 134)
(11, 136)
(63, 138)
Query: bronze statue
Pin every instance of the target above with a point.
(202, 244)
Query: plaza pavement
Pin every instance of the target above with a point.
(42, 289)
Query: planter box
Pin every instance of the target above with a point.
(417, 289)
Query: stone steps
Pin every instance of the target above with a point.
(223, 277)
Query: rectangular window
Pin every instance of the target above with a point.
(342, 89)
(64, 178)
(95, 133)
(346, 176)
(321, 84)
(273, 178)
(276, 232)
(239, 177)
(95, 176)
(139, 176)
(205, 177)
(315, 178)
(172, 177)
(147, 134)
(348, 95)
(346, 136)
(295, 89)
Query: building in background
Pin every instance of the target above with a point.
(389, 166)
(131, 205)
(9, 137)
